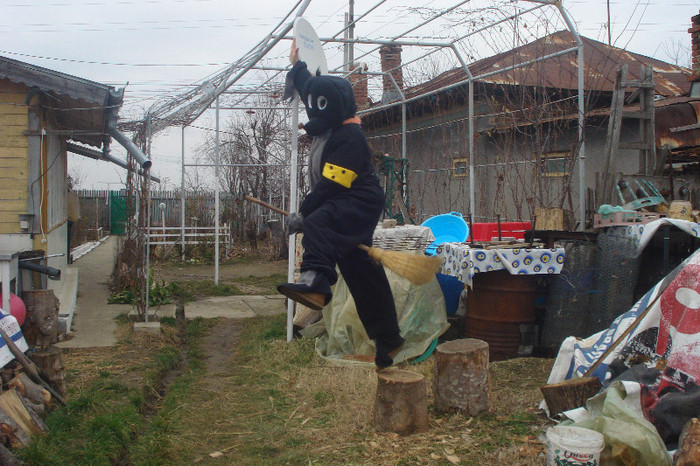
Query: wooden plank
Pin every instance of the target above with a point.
(15, 98)
(9, 87)
(13, 140)
(11, 119)
(614, 126)
(12, 163)
(12, 109)
(12, 194)
(11, 184)
(14, 152)
(553, 219)
(7, 227)
(634, 145)
(636, 115)
(18, 206)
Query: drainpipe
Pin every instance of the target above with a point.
(97, 155)
(129, 145)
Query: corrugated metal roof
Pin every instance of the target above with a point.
(81, 104)
(601, 62)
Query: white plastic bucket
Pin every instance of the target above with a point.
(573, 446)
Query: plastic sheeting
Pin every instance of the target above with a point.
(620, 421)
(421, 313)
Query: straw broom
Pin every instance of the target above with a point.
(417, 269)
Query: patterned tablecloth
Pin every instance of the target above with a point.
(463, 262)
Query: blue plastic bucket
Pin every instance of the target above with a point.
(446, 228)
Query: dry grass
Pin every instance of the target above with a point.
(127, 361)
(282, 404)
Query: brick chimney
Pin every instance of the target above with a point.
(695, 47)
(359, 85)
(391, 63)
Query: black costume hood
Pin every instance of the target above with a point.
(329, 100)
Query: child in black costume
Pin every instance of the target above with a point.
(341, 211)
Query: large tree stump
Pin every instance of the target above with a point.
(688, 444)
(51, 367)
(400, 404)
(462, 376)
(569, 394)
(40, 327)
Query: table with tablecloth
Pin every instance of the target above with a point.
(461, 261)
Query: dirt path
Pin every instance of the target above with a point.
(220, 347)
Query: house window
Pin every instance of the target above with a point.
(460, 167)
(555, 164)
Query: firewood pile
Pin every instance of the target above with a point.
(24, 403)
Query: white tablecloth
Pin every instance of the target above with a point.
(463, 262)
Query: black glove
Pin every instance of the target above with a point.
(295, 223)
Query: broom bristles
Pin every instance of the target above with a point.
(417, 269)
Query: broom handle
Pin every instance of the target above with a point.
(364, 247)
(265, 204)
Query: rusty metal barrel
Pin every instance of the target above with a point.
(498, 305)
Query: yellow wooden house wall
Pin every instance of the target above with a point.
(14, 156)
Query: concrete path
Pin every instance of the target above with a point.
(94, 322)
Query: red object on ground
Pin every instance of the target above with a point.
(17, 308)
(488, 230)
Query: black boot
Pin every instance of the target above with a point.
(312, 290)
(386, 351)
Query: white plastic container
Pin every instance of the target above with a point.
(573, 445)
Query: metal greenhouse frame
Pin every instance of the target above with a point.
(184, 109)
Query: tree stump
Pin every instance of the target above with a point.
(52, 367)
(400, 404)
(462, 376)
(40, 327)
(569, 394)
(688, 444)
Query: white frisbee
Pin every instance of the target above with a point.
(310, 48)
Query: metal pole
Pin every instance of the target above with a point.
(403, 131)
(148, 219)
(346, 54)
(293, 201)
(581, 113)
(472, 190)
(609, 25)
(351, 34)
(182, 196)
(216, 199)
(293, 206)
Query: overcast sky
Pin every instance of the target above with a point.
(159, 47)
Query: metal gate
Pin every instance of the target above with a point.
(117, 213)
